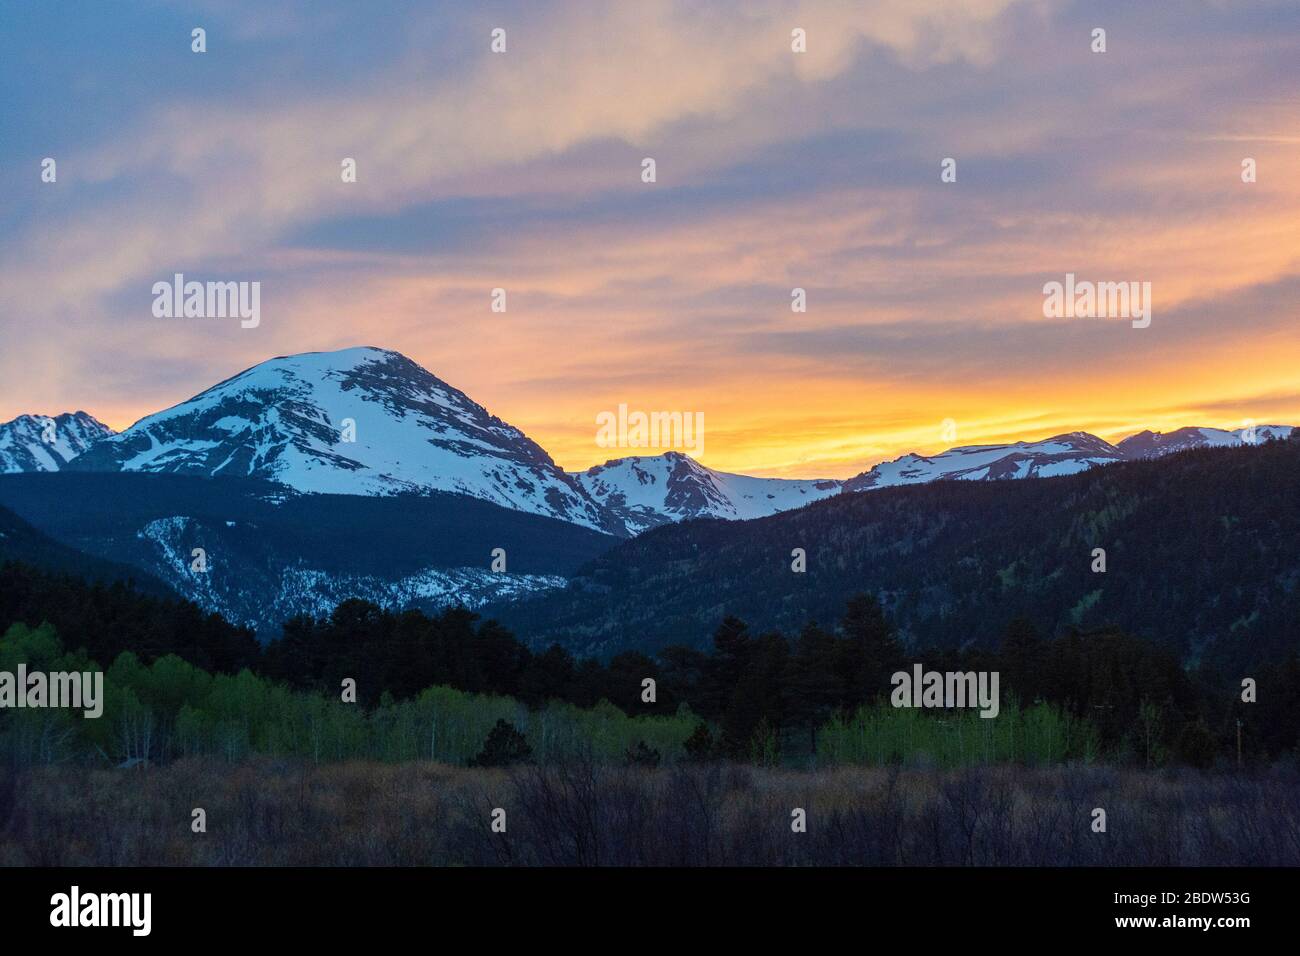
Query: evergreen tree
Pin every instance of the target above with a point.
(699, 745)
(550, 676)
(756, 702)
(731, 650)
(874, 651)
(504, 746)
(623, 679)
(814, 686)
(1021, 660)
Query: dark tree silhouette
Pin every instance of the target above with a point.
(504, 746)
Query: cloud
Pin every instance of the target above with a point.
(775, 170)
(247, 171)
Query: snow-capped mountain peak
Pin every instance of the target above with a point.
(47, 443)
(356, 421)
(645, 491)
(1058, 455)
(1149, 444)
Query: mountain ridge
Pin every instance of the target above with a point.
(1201, 550)
(370, 421)
(47, 442)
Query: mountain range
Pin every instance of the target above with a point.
(369, 421)
(1198, 552)
(312, 478)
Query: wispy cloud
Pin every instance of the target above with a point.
(776, 170)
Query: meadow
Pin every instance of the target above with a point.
(295, 812)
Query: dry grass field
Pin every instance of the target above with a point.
(278, 812)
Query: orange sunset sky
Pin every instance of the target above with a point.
(775, 170)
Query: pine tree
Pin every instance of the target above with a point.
(731, 652)
(1021, 660)
(813, 686)
(504, 746)
(874, 651)
(699, 745)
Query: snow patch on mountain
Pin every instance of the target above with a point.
(283, 590)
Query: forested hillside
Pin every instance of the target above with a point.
(19, 541)
(1202, 556)
(107, 618)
